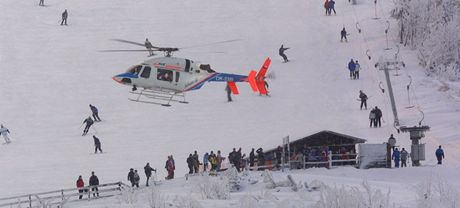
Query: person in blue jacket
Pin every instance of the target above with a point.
(205, 161)
(331, 6)
(439, 155)
(396, 157)
(351, 67)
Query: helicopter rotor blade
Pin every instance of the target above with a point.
(214, 43)
(129, 42)
(134, 50)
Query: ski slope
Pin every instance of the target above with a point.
(51, 73)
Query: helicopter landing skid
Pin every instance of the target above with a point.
(159, 97)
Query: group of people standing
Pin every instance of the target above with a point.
(329, 6)
(93, 183)
(215, 160)
(354, 67)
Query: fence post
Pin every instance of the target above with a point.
(329, 158)
(62, 194)
(30, 201)
(89, 193)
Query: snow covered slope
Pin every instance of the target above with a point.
(51, 73)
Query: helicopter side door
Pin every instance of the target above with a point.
(144, 76)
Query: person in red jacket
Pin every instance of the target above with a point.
(80, 185)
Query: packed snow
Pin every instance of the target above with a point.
(51, 73)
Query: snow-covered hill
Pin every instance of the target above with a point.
(51, 73)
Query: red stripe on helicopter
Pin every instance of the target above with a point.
(167, 66)
(200, 82)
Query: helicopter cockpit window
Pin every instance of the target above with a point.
(146, 72)
(135, 69)
(165, 75)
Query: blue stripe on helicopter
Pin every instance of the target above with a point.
(218, 77)
(128, 75)
(199, 84)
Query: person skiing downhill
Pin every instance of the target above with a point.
(88, 122)
(64, 17)
(343, 34)
(281, 53)
(97, 144)
(4, 131)
(363, 98)
(95, 112)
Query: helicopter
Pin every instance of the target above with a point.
(163, 80)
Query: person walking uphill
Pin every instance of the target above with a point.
(95, 112)
(439, 155)
(88, 122)
(64, 17)
(131, 177)
(281, 53)
(97, 145)
(363, 98)
(148, 173)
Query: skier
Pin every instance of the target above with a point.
(404, 155)
(95, 112)
(439, 155)
(170, 167)
(343, 34)
(148, 172)
(372, 118)
(363, 98)
(136, 179)
(97, 144)
(281, 52)
(149, 47)
(88, 122)
(351, 67)
(251, 158)
(64, 17)
(260, 158)
(396, 157)
(4, 131)
(190, 164)
(378, 117)
(229, 93)
(94, 181)
(331, 6)
(131, 177)
(357, 68)
(205, 162)
(80, 185)
(41, 3)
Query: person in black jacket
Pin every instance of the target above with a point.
(343, 35)
(97, 144)
(229, 93)
(148, 172)
(64, 17)
(131, 177)
(88, 122)
(94, 181)
(281, 53)
(378, 117)
(95, 112)
(363, 98)
(190, 164)
(252, 157)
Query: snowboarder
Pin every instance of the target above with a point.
(205, 162)
(363, 98)
(94, 182)
(372, 118)
(378, 117)
(251, 158)
(229, 93)
(149, 47)
(343, 34)
(281, 52)
(64, 17)
(404, 155)
(131, 177)
(80, 185)
(95, 112)
(97, 144)
(4, 131)
(88, 122)
(170, 167)
(351, 67)
(41, 3)
(396, 157)
(331, 6)
(439, 155)
(357, 68)
(148, 173)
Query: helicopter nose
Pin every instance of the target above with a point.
(117, 79)
(121, 79)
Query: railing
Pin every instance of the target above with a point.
(59, 197)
